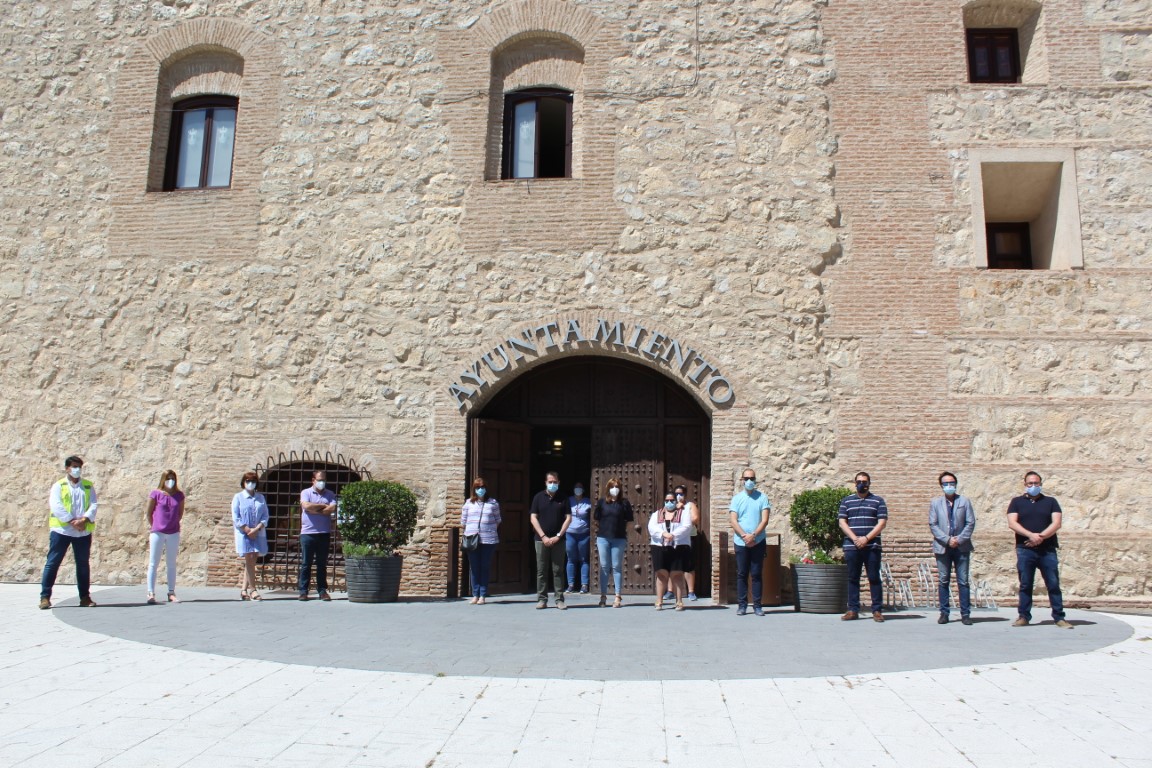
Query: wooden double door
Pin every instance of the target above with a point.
(660, 440)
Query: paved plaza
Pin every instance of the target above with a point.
(215, 682)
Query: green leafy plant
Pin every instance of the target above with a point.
(376, 517)
(812, 518)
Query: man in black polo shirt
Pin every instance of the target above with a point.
(1035, 518)
(550, 516)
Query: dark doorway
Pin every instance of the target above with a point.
(591, 419)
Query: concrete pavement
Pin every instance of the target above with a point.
(218, 684)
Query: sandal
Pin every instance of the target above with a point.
(244, 595)
(660, 603)
(603, 600)
(255, 595)
(151, 598)
(172, 597)
(679, 605)
(617, 602)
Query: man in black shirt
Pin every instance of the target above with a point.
(1035, 519)
(550, 516)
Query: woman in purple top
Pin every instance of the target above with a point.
(481, 514)
(165, 508)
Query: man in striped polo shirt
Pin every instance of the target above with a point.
(862, 516)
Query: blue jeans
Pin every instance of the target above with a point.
(480, 568)
(750, 560)
(58, 545)
(314, 548)
(869, 557)
(576, 545)
(1028, 559)
(944, 564)
(611, 553)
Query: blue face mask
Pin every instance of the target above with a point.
(949, 488)
(480, 492)
(1034, 490)
(749, 485)
(669, 505)
(578, 491)
(552, 488)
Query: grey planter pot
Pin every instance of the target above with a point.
(373, 579)
(820, 588)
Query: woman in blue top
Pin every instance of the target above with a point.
(481, 514)
(250, 519)
(576, 540)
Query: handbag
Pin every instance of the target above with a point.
(470, 542)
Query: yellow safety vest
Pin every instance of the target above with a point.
(66, 500)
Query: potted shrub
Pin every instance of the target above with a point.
(376, 518)
(820, 578)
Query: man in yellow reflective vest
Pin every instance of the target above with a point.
(71, 520)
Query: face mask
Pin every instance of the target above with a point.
(1034, 490)
(861, 487)
(613, 492)
(949, 488)
(75, 472)
(669, 505)
(250, 487)
(170, 483)
(679, 497)
(480, 492)
(553, 487)
(319, 485)
(578, 491)
(749, 485)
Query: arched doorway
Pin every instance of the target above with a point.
(282, 479)
(590, 418)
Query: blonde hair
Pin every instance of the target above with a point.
(169, 473)
(612, 483)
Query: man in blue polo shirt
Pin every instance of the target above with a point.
(1035, 519)
(748, 514)
(862, 516)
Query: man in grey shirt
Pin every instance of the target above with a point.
(952, 520)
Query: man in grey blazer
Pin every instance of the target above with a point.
(952, 520)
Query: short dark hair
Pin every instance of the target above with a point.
(681, 487)
(317, 472)
(552, 473)
(867, 476)
(73, 461)
(944, 475)
(249, 476)
(1031, 472)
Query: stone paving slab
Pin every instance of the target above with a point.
(74, 697)
(508, 637)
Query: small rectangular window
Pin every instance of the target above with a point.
(993, 56)
(1009, 246)
(537, 134)
(201, 143)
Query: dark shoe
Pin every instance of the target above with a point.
(603, 600)
(541, 605)
(742, 610)
(966, 621)
(45, 603)
(668, 595)
(943, 619)
(877, 617)
(1064, 624)
(758, 611)
(87, 602)
(303, 598)
(850, 616)
(692, 596)
(561, 605)
(1020, 622)
(583, 590)
(325, 597)
(570, 591)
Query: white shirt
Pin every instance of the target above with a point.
(60, 513)
(681, 530)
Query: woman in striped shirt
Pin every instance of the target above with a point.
(481, 515)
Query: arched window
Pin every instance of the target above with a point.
(538, 134)
(201, 143)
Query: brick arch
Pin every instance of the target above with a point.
(198, 57)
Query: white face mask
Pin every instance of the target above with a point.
(250, 486)
(169, 483)
(613, 492)
(319, 485)
(75, 472)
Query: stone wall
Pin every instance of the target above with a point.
(782, 183)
